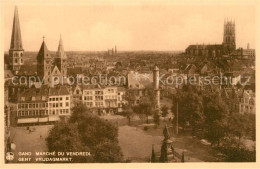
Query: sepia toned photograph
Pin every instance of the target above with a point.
(129, 83)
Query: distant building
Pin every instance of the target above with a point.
(244, 53)
(247, 102)
(216, 50)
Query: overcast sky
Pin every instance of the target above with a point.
(130, 27)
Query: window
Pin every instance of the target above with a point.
(88, 97)
(98, 97)
(57, 98)
(67, 104)
(57, 105)
(60, 104)
(60, 98)
(88, 92)
(67, 98)
(98, 92)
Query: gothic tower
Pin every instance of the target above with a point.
(61, 59)
(16, 48)
(44, 64)
(229, 38)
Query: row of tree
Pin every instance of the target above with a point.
(208, 116)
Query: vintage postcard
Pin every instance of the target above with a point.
(122, 82)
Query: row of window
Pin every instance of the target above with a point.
(110, 97)
(100, 97)
(88, 92)
(41, 105)
(101, 104)
(58, 104)
(57, 98)
(16, 60)
(32, 105)
(42, 112)
(18, 54)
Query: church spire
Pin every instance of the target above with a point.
(60, 52)
(16, 41)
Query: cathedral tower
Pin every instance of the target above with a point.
(16, 48)
(229, 38)
(44, 63)
(61, 59)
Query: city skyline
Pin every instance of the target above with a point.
(124, 26)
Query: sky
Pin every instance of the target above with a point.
(129, 27)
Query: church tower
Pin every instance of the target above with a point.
(44, 64)
(16, 48)
(229, 38)
(61, 59)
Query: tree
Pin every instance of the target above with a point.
(190, 107)
(164, 110)
(86, 132)
(240, 125)
(128, 112)
(215, 111)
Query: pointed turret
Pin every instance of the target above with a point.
(16, 41)
(60, 52)
(61, 59)
(16, 47)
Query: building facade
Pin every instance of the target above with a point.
(43, 105)
(247, 102)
